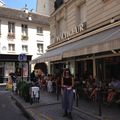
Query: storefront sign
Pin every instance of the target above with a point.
(76, 29)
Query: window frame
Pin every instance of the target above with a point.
(24, 29)
(0, 27)
(81, 13)
(11, 47)
(11, 27)
(39, 30)
(25, 48)
(40, 51)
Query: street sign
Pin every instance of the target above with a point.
(22, 57)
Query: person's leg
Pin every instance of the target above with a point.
(64, 102)
(70, 103)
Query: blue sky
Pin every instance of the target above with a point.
(19, 4)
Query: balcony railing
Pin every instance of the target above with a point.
(11, 36)
(24, 37)
(58, 3)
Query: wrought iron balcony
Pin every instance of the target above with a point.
(24, 37)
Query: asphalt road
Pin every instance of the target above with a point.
(8, 109)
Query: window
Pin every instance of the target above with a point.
(25, 48)
(40, 48)
(11, 30)
(24, 30)
(11, 47)
(11, 27)
(58, 3)
(61, 26)
(0, 27)
(81, 14)
(39, 30)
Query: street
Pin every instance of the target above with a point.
(49, 108)
(8, 109)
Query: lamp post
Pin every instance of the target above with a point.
(22, 58)
(100, 91)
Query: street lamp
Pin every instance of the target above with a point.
(22, 58)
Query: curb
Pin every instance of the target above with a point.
(88, 114)
(22, 108)
(44, 105)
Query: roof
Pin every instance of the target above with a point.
(21, 15)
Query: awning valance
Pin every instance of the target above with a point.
(103, 41)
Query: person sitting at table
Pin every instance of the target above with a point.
(9, 84)
(112, 90)
(111, 95)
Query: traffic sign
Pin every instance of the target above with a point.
(22, 57)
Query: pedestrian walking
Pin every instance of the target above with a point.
(67, 84)
(40, 70)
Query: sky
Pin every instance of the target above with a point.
(19, 4)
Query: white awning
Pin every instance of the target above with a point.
(103, 41)
(53, 55)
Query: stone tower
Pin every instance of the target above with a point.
(43, 7)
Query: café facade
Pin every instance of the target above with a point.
(88, 47)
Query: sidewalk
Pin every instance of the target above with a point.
(49, 106)
(111, 112)
(30, 110)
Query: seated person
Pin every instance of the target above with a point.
(115, 83)
(9, 84)
(93, 94)
(111, 95)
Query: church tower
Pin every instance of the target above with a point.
(43, 7)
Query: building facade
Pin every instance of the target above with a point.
(85, 36)
(21, 32)
(43, 7)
